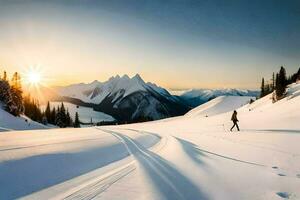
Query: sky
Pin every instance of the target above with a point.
(177, 44)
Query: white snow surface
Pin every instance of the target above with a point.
(8, 122)
(179, 158)
(219, 105)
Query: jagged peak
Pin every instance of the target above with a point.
(95, 82)
(117, 77)
(125, 76)
(138, 78)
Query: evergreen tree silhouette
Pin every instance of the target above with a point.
(281, 83)
(48, 113)
(76, 122)
(16, 92)
(262, 88)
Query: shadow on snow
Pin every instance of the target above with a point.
(170, 182)
(25, 176)
(194, 151)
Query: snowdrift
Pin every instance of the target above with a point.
(9, 122)
(219, 105)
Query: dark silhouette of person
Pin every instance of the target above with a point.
(235, 120)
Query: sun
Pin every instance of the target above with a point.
(34, 77)
(36, 82)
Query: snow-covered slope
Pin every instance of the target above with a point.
(80, 91)
(126, 99)
(197, 97)
(281, 114)
(181, 158)
(219, 105)
(10, 122)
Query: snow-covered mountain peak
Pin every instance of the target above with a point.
(126, 98)
(114, 78)
(137, 77)
(138, 80)
(125, 76)
(95, 83)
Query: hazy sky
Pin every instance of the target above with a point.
(174, 43)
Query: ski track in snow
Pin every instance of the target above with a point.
(183, 158)
(98, 186)
(165, 176)
(93, 187)
(169, 180)
(102, 183)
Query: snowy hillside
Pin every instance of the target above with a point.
(197, 97)
(85, 113)
(219, 105)
(9, 122)
(283, 114)
(126, 99)
(180, 158)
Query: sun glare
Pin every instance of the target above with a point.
(34, 77)
(36, 82)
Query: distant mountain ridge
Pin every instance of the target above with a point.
(196, 97)
(127, 99)
(132, 99)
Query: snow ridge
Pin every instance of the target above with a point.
(119, 87)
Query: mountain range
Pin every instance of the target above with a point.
(126, 99)
(196, 97)
(132, 99)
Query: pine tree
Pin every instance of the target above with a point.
(48, 112)
(16, 93)
(53, 116)
(61, 116)
(57, 110)
(273, 82)
(5, 95)
(262, 91)
(76, 122)
(281, 83)
(295, 77)
(69, 121)
(32, 109)
(4, 76)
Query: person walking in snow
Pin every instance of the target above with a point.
(235, 120)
